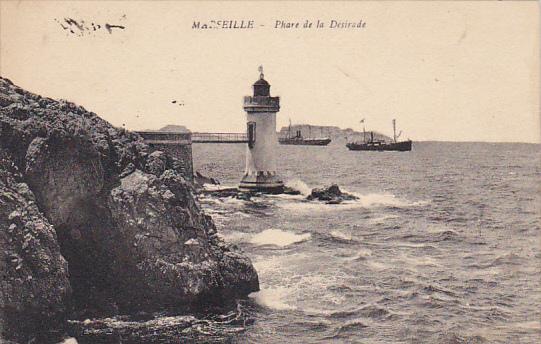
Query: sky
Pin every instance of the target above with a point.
(448, 71)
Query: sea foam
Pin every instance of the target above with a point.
(299, 185)
(386, 199)
(272, 298)
(278, 237)
(367, 201)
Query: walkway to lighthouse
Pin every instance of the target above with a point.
(179, 144)
(219, 138)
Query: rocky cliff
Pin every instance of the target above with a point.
(83, 199)
(34, 285)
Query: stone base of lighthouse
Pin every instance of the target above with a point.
(262, 181)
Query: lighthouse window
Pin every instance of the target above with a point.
(251, 134)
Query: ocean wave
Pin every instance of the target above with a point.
(159, 328)
(399, 244)
(382, 219)
(455, 338)
(234, 236)
(362, 254)
(528, 325)
(377, 265)
(386, 199)
(508, 259)
(446, 235)
(272, 298)
(418, 261)
(212, 187)
(69, 340)
(221, 201)
(304, 206)
(368, 311)
(299, 185)
(374, 200)
(278, 237)
(285, 286)
(431, 289)
(345, 329)
(433, 236)
(277, 265)
(341, 236)
(270, 236)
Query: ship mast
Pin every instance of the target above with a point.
(289, 130)
(364, 134)
(394, 130)
(364, 131)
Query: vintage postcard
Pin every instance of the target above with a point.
(270, 172)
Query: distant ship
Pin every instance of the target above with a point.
(379, 145)
(299, 140)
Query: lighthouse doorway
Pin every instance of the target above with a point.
(251, 134)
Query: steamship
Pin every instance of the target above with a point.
(380, 145)
(298, 139)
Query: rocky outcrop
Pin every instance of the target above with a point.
(331, 195)
(200, 180)
(162, 329)
(165, 265)
(124, 219)
(34, 287)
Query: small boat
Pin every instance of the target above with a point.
(379, 145)
(299, 140)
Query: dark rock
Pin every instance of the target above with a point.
(200, 179)
(222, 193)
(245, 196)
(230, 193)
(168, 258)
(64, 173)
(127, 223)
(290, 191)
(156, 163)
(163, 329)
(34, 287)
(331, 195)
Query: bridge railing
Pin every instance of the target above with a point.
(219, 138)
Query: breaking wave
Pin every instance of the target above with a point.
(341, 236)
(272, 236)
(272, 298)
(278, 237)
(386, 199)
(299, 185)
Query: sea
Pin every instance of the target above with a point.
(443, 244)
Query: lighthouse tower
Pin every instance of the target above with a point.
(261, 108)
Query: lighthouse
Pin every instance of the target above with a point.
(260, 172)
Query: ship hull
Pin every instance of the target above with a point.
(403, 146)
(305, 142)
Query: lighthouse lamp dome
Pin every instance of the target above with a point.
(261, 88)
